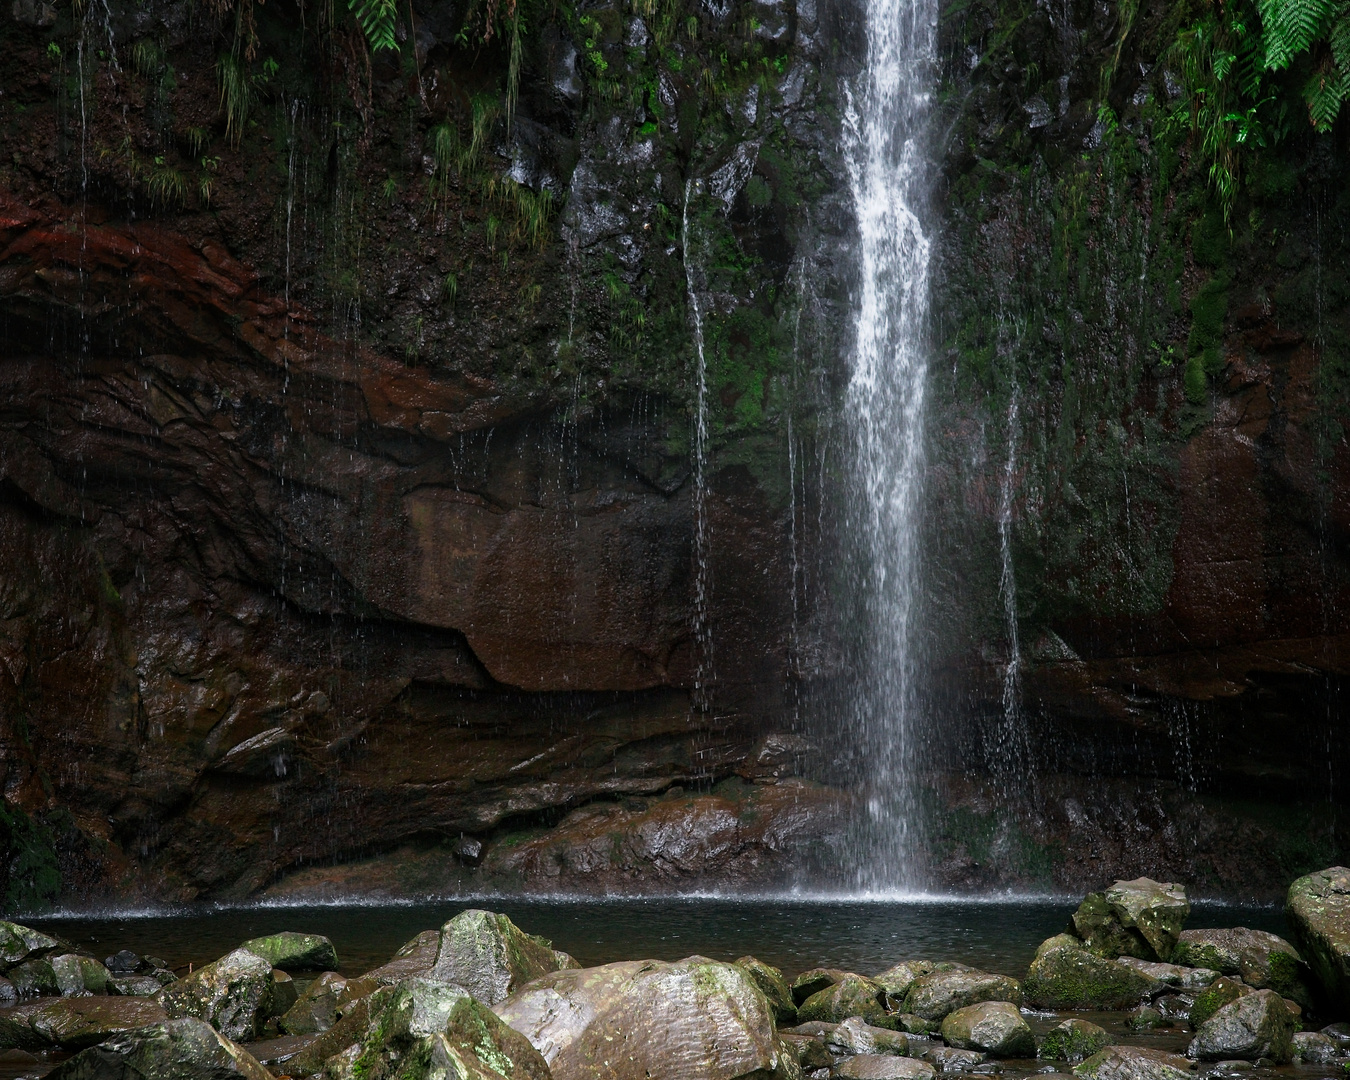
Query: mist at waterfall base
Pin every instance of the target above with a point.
(997, 936)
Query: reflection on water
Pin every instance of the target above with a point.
(794, 935)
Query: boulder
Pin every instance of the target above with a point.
(171, 1050)
(811, 1053)
(1141, 918)
(810, 983)
(134, 985)
(853, 995)
(291, 951)
(773, 986)
(948, 1059)
(20, 943)
(123, 962)
(36, 976)
(915, 1025)
(1073, 1040)
(491, 957)
(1133, 1063)
(1064, 975)
(897, 980)
(16, 1029)
(1318, 910)
(1338, 1033)
(420, 1029)
(940, 992)
(316, 1009)
(856, 1036)
(9, 994)
(1252, 1027)
(1314, 1048)
(234, 995)
(76, 1022)
(696, 1019)
(1147, 1018)
(77, 974)
(1214, 997)
(993, 1027)
(284, 992)
(415, 957)
(883, 1067)
(1177, 975)
(1264, 961)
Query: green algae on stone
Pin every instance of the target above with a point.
(1142, 918)
(1222, 991)
(20, 943)
(291, 951)
(77, 974)
(1255, 1026)
(1064, 975)
(940, 992)
(1073, 1040)
(994, 1027)
(773, 986)
(1260, 959)
(853, 995)
(1133, 1063)
(234, 995)
(491, 957)
(812, 982)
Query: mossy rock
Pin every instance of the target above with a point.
(943, 991)
(1260, 959)
(1255, 1026)
(291, 951)
(491, 957)
(1133, 1063)
(1318, 909)
(1222, 991)
(773, 986)
(1073, 1040)
(853, 995)
(810, 983)
(234, 995)
(1064, 975)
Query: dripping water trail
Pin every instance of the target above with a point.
(702, 562)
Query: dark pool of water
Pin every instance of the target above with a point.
(792, 934)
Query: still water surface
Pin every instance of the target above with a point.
(792, 934)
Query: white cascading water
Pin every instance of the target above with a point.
(890, 176)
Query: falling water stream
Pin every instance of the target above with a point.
(890, 174)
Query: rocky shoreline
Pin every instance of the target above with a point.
(1126, 992)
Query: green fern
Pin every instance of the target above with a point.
(1291, 27)
(378, 19)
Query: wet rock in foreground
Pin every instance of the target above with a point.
(774, 987)
(940, 992)
(853, 995)
(173, 1050)
(1064, 975)
(877, 1067)
(1314, 1048)
(234, 995)
(1134, 1063)
(291, 951)
(994, 1027)
(1073, 1040)
(696, 1019)
(1260, 959)
(856, 1036)
(1252, 1027)
(1318, 909)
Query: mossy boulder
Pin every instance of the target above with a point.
(316, 1009)
(291, 951)
(415, 957)
(170, 1050)
(856, 1036)
(1314, 1048)
(19, 943)
(934, 995)
(491, 957)
(1318, 910)
(897, 979)
(811, 1052)
(1252, 1027)
(1141, 918)
(1175, 975)
(1133, 1063)
(1064, 975)
(993, 1027)
(696, 1019)
(1222, 991)
(234, 995)
(810, 983)
(773, 986)
(35, 976)
(1073, 1040)
(853, 995)
(77, 974)
(1262, 960)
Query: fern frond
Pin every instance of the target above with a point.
(1340, 42)
(1291, 26)
(378, 19)
(1324, 93)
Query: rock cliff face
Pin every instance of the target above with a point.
(350, 506)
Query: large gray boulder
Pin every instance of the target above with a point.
(774, 987)
(856, 1036)
(316, 1009)
(1141, 918)
(234, 995)
(1073, 1040)
(183, 1049)
(992, 1027)
(934, 995)
(76, 975)
(420, 1029)
(853, 995)
(1314, 1048)
(810, 983)
(292, 951)
(897, 979)
(696, 1019)
(1175, 975)
(1064, 975)
(482, 951)
(1133, 1063)
(1264, 961)
(1318, 909)
(1252, 1027)
(1214, 997)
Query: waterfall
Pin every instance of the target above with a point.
(702, 562)
(890, 176)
